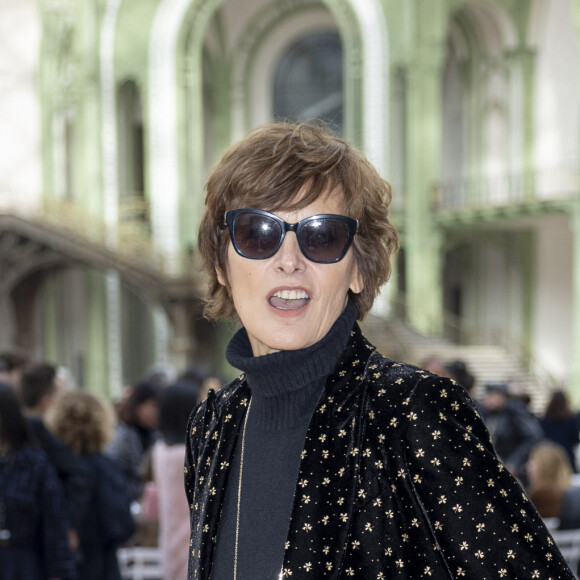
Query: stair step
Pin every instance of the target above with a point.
(486, 362)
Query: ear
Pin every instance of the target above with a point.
(356, 283)
(222, 279)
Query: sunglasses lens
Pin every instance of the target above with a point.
(324, 240)
(256, 236)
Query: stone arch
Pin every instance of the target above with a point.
(255, 41)
(489, 23)
(177, 38)
(482, 118)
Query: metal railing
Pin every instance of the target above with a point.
(461, 332)
(128, 239)
(485, 191)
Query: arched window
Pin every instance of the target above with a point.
(308, 80)
(131, 154)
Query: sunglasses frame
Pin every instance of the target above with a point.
(351, 223)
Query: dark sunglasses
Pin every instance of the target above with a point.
(258, 234)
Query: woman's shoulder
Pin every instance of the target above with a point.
(400, 378)
(398, 387)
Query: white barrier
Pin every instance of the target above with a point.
(139, 563)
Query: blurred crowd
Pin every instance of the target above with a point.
(81, 476)
(540, 450)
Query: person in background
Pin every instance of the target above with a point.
(177, 402)
(324, 458)
(33, 523)
(434, 365)
(85, 424)
(207, 380)
(37, 391)
(459, 372)
(12, 364)
(135, 434)
(549, 488)
(514, 430)
(561, 426)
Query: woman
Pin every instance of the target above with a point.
(324, 458)
(84, 424)
(33, 524)
(177, 401)
(135, 434)
(550, 488)
(561, 426)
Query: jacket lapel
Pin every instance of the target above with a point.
(218, 444)
(325, 493)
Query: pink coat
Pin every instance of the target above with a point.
(174, 527)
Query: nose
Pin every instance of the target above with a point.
(289, 258)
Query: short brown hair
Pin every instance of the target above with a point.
(81, 421)
(289, 166)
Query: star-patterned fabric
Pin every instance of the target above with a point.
(398, 479)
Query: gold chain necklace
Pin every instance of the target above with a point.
(240, 490)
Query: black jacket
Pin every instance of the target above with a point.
(31, 495)
(398, 479)
(71, 470)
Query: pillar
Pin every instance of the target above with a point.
(422, 172)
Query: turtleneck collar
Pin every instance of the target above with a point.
(284, 383)
(290, 370)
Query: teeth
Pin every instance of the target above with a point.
(291, 294)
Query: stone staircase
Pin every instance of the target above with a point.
(487, 363)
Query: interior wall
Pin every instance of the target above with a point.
(553, 297)
(556, 91)
(20, 160)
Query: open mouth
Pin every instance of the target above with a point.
(289, 299)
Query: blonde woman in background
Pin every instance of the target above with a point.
(85, 424)
(550, 472)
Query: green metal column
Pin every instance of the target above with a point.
(50, 324)
(97, 367)
(88, 188)
(423, 170)
(574, 383)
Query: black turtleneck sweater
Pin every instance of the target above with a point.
(286, 387)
